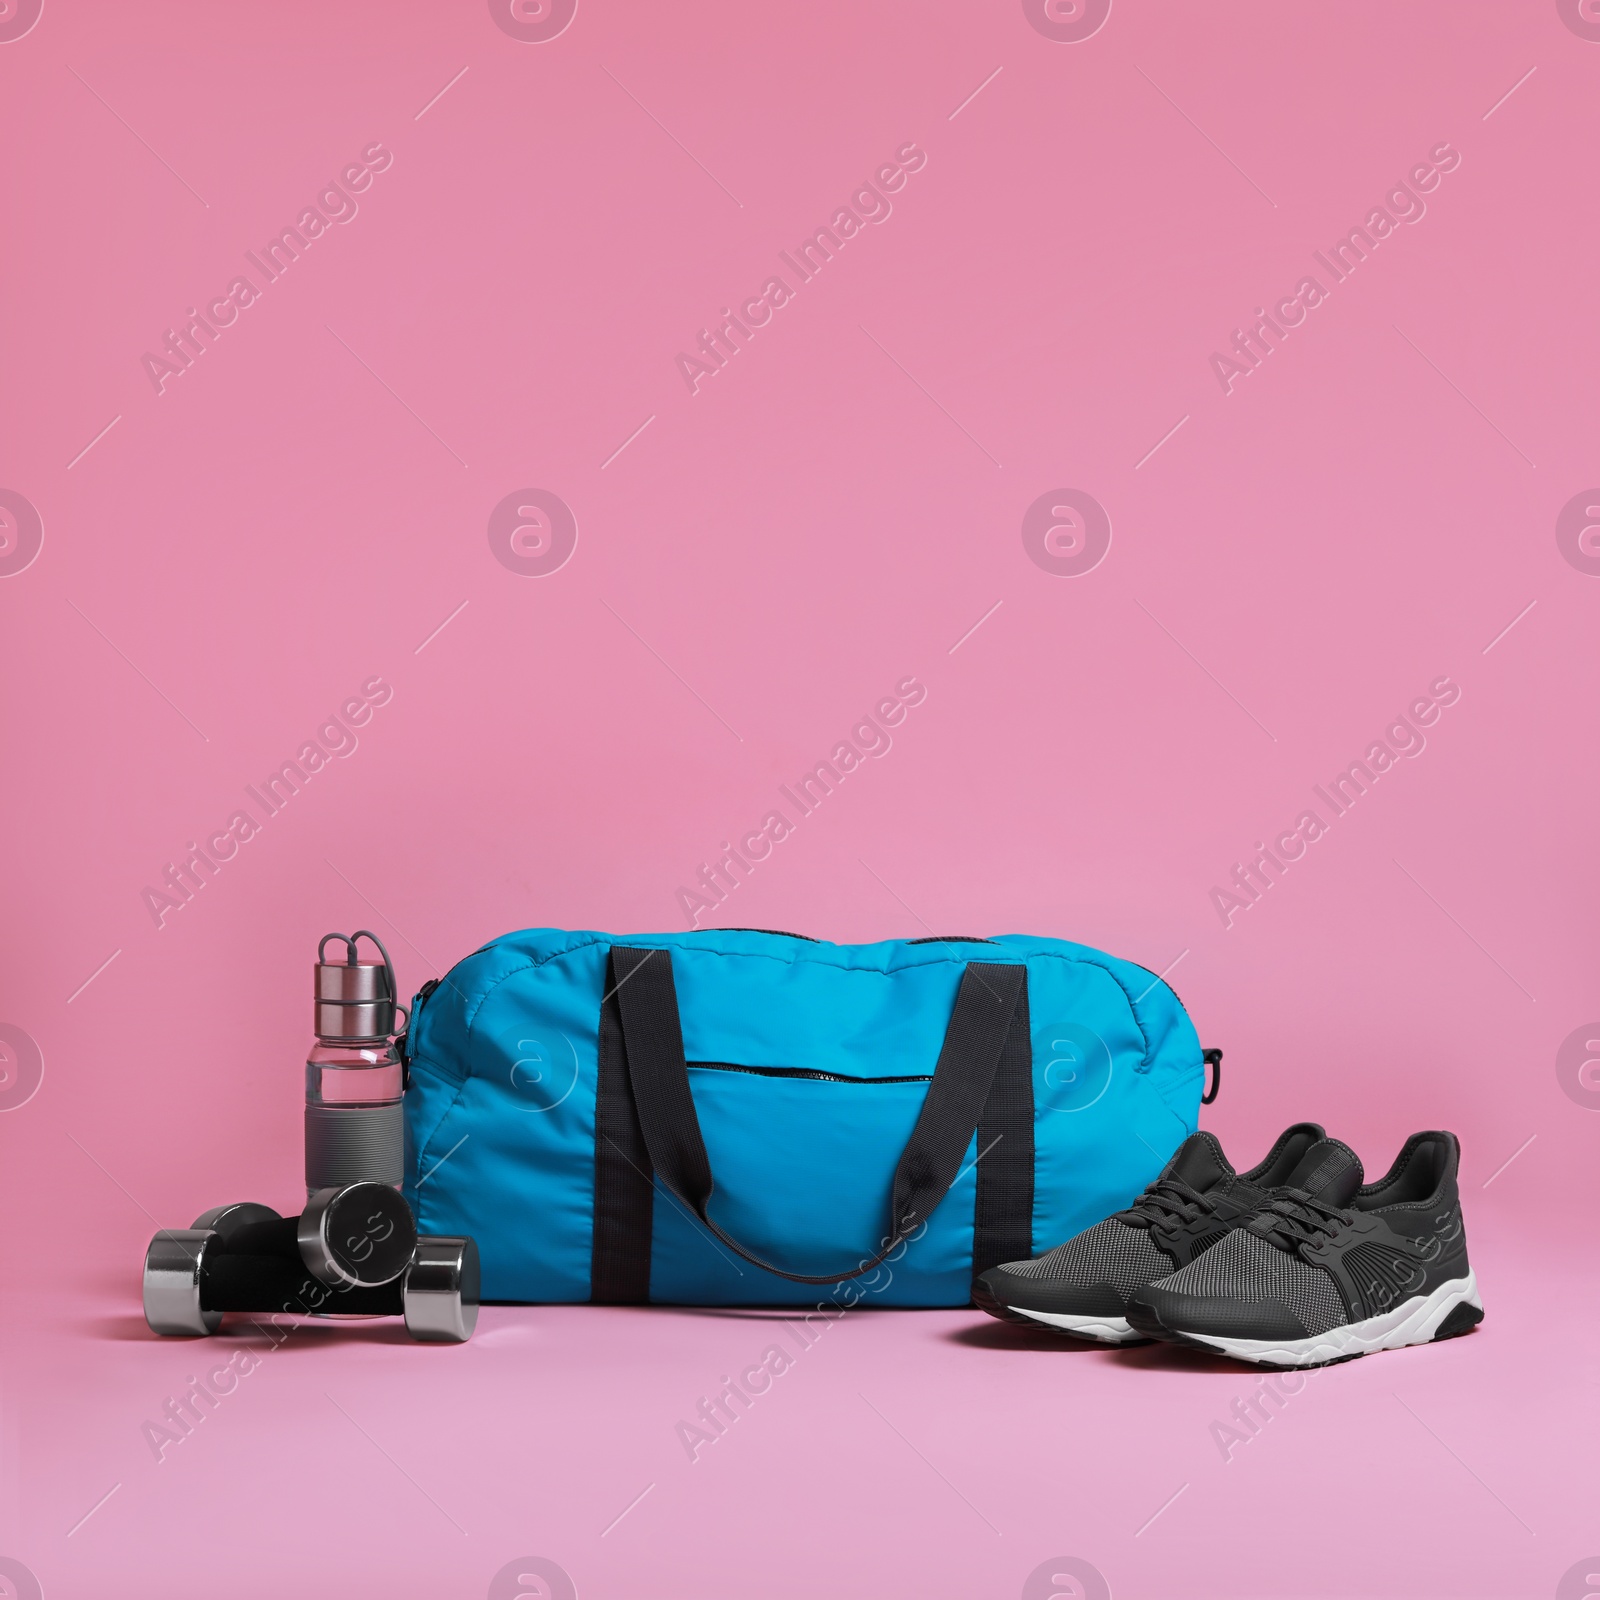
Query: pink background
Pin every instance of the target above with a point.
(306, 505)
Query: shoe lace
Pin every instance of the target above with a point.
(1166, 1203)
(1293, 1218)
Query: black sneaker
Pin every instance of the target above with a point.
(1329, 1269)
(1082, 1287)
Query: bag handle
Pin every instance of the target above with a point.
(652, 1034)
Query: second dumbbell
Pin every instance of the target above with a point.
(359, 1236)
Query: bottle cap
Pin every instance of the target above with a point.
(354, 1000)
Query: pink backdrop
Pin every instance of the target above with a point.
(1052, 233)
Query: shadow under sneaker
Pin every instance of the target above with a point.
(1330, 1269)
(1082, 1287)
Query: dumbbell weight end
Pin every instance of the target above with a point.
(441, 1288)
(172, 1272)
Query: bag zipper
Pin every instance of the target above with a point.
(402, 1043)
(1159, 979)
(807, 1072)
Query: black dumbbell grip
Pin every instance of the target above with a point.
(277, 1237)
(269, 1283)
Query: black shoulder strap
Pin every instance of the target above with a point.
(1002, 1222)
(983, 1033)
(624, 1193)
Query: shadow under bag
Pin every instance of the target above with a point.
(734, 1117)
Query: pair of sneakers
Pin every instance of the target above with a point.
(1295, 1263)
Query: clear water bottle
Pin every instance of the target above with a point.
(355, 1081)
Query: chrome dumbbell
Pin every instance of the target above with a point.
(353, 1251)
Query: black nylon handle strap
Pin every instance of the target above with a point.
(984, 1006)
(624, 1192)
(648, 999)
(1002, 1217)
(659, 1075)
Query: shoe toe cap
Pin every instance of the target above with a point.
(1153, 1309)
(1030, 1293)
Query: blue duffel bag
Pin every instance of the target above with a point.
(735, 1117)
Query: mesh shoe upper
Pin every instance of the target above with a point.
(1244, 1267)
(1109, 1252)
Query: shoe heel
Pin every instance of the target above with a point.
(1463, 1319)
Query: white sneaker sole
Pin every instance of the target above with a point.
(1414, 1321)
(1103, 1330)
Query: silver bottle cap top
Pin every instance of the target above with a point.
(346, 983)
(354, 1000)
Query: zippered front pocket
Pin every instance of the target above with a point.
(805, 1160)
(805, 1072)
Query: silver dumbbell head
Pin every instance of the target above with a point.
(222, 1220)
(357, 1237)
(441, 1290)
(172, 1283)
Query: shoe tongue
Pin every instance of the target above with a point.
(1199, 1162)
(1329, 1171)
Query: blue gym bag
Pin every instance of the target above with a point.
(733, 1117)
